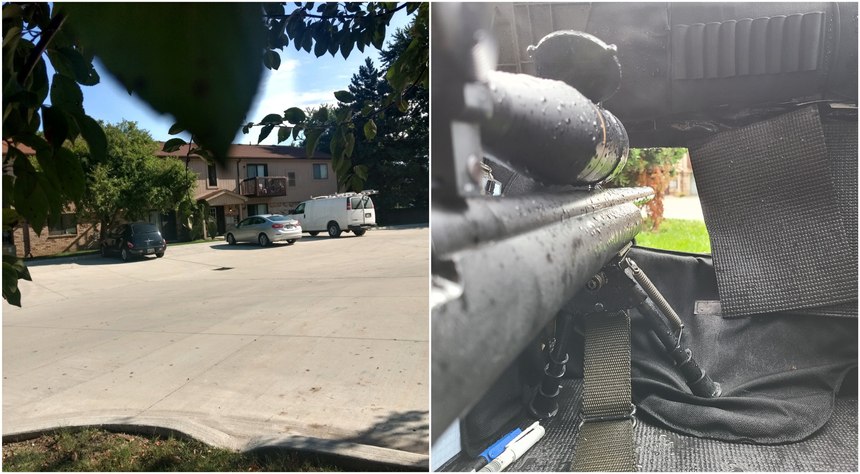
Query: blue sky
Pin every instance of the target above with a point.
(303, 80)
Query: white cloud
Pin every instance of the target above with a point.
(279, 91)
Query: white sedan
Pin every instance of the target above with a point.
(265, 229)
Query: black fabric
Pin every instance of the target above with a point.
(776, 228)
(779, 372)
(833, 448)
(840, 138)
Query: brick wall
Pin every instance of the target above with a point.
(41, 245)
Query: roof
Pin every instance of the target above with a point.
(222, 197)
(257, 151)
(24, 148)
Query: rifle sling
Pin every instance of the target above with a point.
(605, 441)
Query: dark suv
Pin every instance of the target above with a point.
(136, 239)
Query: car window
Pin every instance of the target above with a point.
(258, 220)
(245, 222)
(300, 209)
(279, 218)
(144, 228)
(361, 202)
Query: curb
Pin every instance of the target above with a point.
(186, 429)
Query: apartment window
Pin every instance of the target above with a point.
(320, 171)
(213, 175)
(291, 178)
(67, 224)
(253, 170)
(257, 209)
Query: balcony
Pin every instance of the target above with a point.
(264, 186)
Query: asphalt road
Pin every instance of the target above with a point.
(320, 345)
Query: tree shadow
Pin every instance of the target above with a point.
(98, 260)
(251, 246)
(407, 431)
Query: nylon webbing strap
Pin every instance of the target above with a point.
(605, 441)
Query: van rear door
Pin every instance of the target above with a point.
(361, 211)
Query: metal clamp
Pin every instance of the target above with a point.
(627, 416)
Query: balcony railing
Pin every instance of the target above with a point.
(264, 186)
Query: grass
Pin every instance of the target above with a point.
(92, 449)
(679, 235)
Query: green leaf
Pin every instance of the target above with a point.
(10, 217)
(356, 183)
(360, 171)
(19, 266)
(296, 130)
(10, 285)
(55, 126)
(295, 115)
(320, 115)
(379, 36)
(344, 96)
(264, 132)
(370, 129)
(82, 70)
(283, 133)
(94, 135)
(307, 41)
(66, 94)
(271, 59)
(312, 138)
(349, 144)
(72, 178)
(173, 144)
(28, 195)
(40, 85)
(272, 119)
(176, 129)
(346, 47)
(205, 154)
(216, 46)
(337, 145)
(321, 46)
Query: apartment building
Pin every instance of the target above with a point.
(258, 179)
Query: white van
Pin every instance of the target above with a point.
(344, 212)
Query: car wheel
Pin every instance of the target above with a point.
(159, 254)
(359, 232)
(333, 229)
(231, 240)
(291, 241)
(263, 239)
(314, 233)
(124, 255)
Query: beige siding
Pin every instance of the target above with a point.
(305, 188)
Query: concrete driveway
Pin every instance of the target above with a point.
(321, 345)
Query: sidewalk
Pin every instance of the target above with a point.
(687, 207)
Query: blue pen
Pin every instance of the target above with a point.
(495, 449)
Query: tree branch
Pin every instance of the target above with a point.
(47, 36)
(348, 16)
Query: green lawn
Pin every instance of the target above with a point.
(93, 449)
(679, 235)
